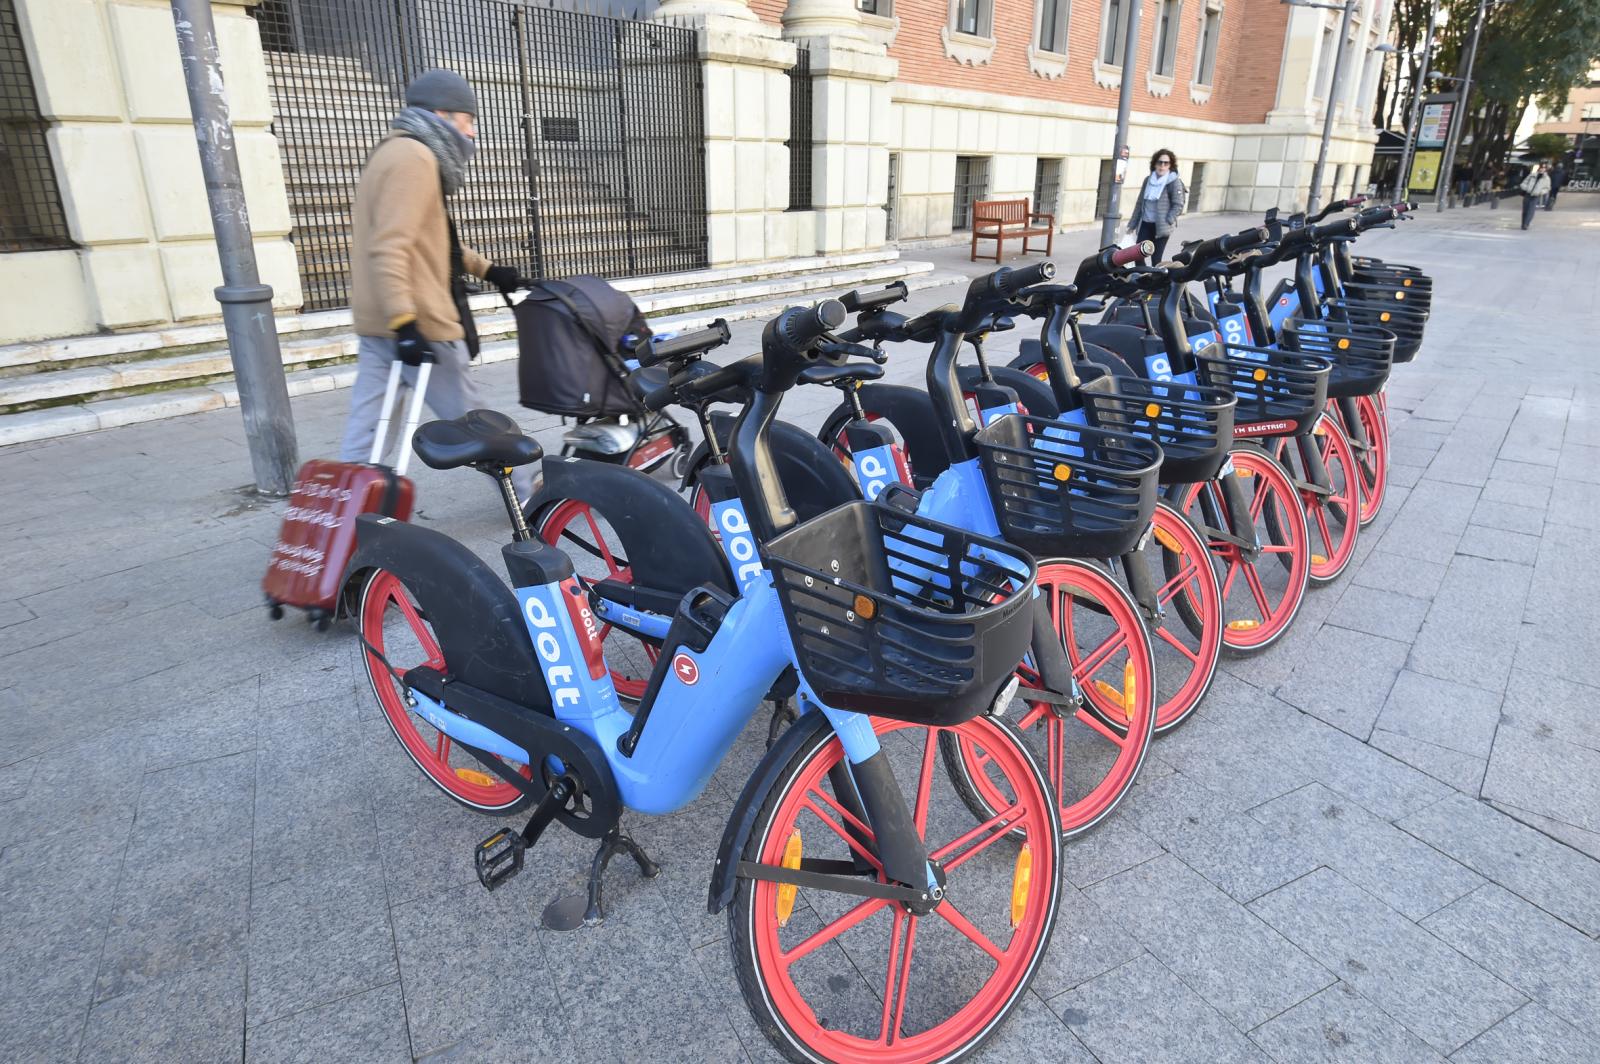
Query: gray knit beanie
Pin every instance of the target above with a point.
(442, 90)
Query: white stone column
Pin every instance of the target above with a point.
(837, 19)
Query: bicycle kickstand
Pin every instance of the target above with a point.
(563, 914)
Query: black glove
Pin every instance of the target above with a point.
(409, 345)
(504, 278)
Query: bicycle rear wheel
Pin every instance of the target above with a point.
(832, 976)
(397, 637)
(1333, 519)
(1187, 643)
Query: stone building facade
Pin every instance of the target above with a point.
(917, 108)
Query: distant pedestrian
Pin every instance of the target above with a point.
(1161, 200)
(1558, 178)
(406, 292)
(1534, 188)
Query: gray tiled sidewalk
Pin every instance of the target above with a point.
(1376, 842)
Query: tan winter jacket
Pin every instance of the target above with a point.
(400, 253)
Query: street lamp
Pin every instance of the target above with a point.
(1402, 185)
(1313, 199)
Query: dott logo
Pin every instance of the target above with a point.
(686, 670)
(872, 472)
(737, 541)
(583, 623)
(558, 676)
(1158, 367)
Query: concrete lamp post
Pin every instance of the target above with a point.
(1314, 198)
(1402, 184)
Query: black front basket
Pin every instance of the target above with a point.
(1280, 393)
(1193, 424)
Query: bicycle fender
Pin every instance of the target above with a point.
(910, 411)
(667, 545)
(813, 479)
(1033, 393)
(473, 613)
(724, 874)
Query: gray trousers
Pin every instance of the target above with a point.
(451, 393)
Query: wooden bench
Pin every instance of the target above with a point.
(1001, 220)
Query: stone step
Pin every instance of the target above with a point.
(72, 375)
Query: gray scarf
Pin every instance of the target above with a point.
(448, 146)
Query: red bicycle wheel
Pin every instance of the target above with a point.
(1259, 602)
(595, 551)
(1374, 464)
(397, 638)
(1333, 520)
(1187, 643)
(832, 976)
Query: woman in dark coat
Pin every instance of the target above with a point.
(1161, 200)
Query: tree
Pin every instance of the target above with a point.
(1548, 145)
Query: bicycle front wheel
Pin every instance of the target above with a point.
(833, 976)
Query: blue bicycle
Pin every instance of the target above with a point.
(870, 919)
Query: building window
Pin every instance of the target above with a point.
(1206, 54)
(972, 17)
(799, 142)
(1590, 111)
(1102, 203)
(972, 182)
(1114, 31)
(1197, 184)
(873, 7)
(31, 217)
(1325, 64)
(1046, 185)
(1164, 57)
(1052, 18)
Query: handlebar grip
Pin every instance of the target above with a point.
(1337, 227)
(856, 301)
(1010, 283)
(656, 398)
(1133, 254)
(800, 327)
(1243, 239)
(714, 335)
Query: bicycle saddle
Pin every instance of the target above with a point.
(855, 371)
(644, 381)
(478, 437)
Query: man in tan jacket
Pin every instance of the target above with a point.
(406, 262)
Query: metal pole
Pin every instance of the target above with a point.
(246, 302)
(1130, 55)
(1447, 172)
(1403, 183)
(1313, 199)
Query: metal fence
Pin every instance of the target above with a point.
(590, 131)
(31, 217)
(800, 133)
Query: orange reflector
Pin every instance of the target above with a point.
(1130, 688)
(1244, 471)
(1021, 881)
(1399, 295)
(1040, 373)
(1152, 410)
(865, 607)
(472, 775)
(787, 891)
(1243, 626)
(1062, 471)
(1317, 559)
(1384, 316)
(1260, 374)
(1344, 345)
(1406, 283)
(1167, 540)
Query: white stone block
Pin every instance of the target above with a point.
(66, 39)
(61, 305)
(777, 90)
(152, 74)
(1262, 199)
(1268, 175)
(261, 169)
(719, 118)
(829, 97)
(277, 265)
(877, 176)
(777, 174)
(940, 205)
(720, 181)
(174, 182)
(780, 235)
(858, 112)
(750, 179)
(918, 128)
(883, 128)
(855, 228)
(244, 70)
(1243, 173)
(947, 130)
(125, 283)
(749, 103)
(831, 231)
(988, 131)
(750, 237)
(966, 138)
(1272, 148)
(192, 274)
(915, 173)
(877, 227)
(102, 186)
(942, 173)
(911, 219)
(857, 176)
(1009, 133)
(720, 243)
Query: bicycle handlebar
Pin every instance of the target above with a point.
(694, 384)
(1134, 253)
(799, 327)
(684, 344)
(856, 301)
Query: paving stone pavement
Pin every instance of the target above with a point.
(1378, 841)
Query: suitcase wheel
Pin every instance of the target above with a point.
(322, 619)
(275, 610)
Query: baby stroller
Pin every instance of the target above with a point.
(572, 340)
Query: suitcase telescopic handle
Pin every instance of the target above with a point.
(413, 415)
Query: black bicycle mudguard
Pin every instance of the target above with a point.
(910, 411)
(472, 612)
(667, 546)
(724, 874)
(1125, 343)
(813, 478)
(1032, 392)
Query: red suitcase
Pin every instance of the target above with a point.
(319, 528)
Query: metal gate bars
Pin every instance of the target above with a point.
(590, 130)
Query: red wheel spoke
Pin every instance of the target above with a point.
(1258, 592)
(829, 932)
(600, 542)
(441, 748)
(898, 978)
(1177, 644)
(1278, 549)
(839, 830)
(1259, 502)
(998, 826)
(1055, 732)
(1322, 526)
(1169, 590)
(956, 920)
(925, 784)
(1095, 724)
(1101, 655)
(1034, 715)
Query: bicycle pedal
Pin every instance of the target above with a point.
(499, 857)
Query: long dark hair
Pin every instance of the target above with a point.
(1168, 153)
